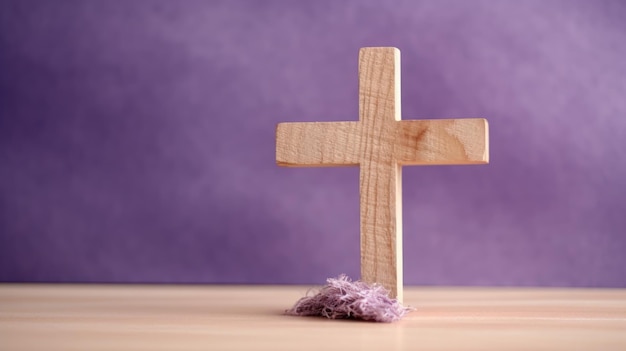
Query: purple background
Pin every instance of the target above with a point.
(137, 140)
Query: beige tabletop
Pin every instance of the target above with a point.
(183, 317)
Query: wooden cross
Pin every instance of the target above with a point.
(381, 143)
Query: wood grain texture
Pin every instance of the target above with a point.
(381, 143)
(123, 317)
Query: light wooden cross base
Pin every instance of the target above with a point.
(126, 317)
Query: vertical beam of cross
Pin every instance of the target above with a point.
(381, 143)
(380, 176)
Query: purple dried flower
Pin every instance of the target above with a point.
(342, 298)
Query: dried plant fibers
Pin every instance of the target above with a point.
(342, 298)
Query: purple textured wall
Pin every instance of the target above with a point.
(137, 140)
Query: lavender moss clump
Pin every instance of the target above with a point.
(342, 298)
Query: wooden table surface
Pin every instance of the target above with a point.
(183, 317)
